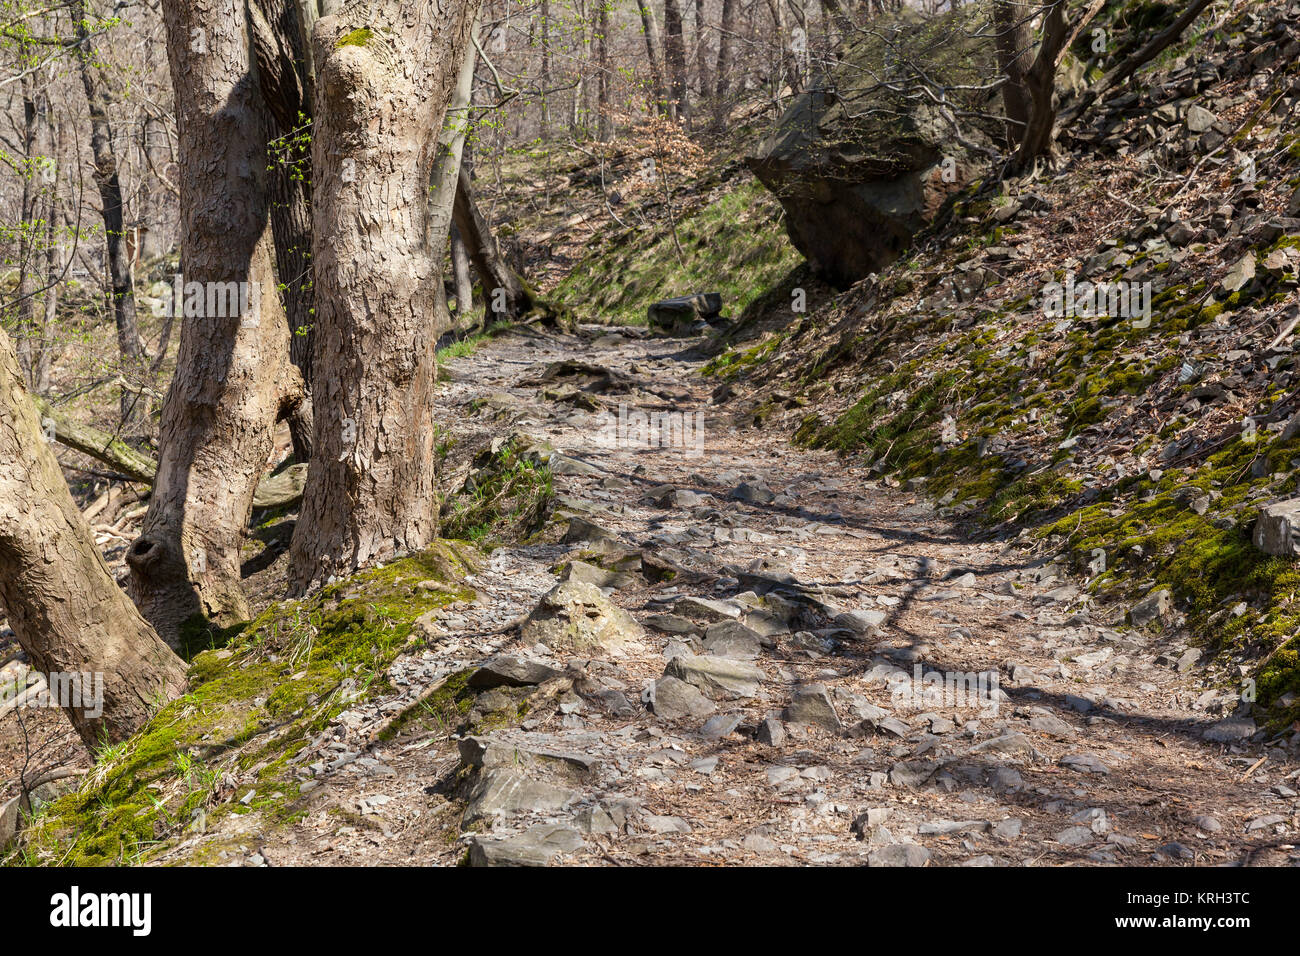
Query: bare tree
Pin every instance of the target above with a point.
(135, 403)
(675, 60)
(650, 30)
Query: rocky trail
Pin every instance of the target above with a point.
(728, 673)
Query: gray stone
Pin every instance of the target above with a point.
(665, 824)
(501, 792)
(680, 313)
(600, 577)
(811, 704)
(675, 699)
(1151, 608)
(1208, 823)
(1277, 528)
(865, 622)
(1008, 829)
(672, 624)
(771, 732)
(1230, 730)
(720, 726)
(1052, 726)
(508, 671)
(536, 846)
(1075, 836)
(707, 610)
(899, 854)
(1175, 851)
(1199, 119)
(1084, 763)
(575, 616)
(754, 494)
(716, 676)
(732, 639)
(912, 773)
(582, 531)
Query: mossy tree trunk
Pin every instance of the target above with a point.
(65, 608)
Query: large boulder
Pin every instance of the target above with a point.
(864, 159)
(575, 616)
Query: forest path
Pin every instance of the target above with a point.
(1092, 748)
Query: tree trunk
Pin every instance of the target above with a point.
(35, 124)
(675, 59)
(1012, 23)
(545, 80)
(42, 356)
(135, 404)
(284, 78)
(1040, 128)
(232, 373)
(62, 603)
(721, 106)
(506, 296)
(451, 150)
(385, 71)
(604, 121)
(702, 52)
(650, 29)
(465, 317)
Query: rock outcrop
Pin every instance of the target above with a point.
(862, 162)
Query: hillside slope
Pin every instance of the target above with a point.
(1143, 444)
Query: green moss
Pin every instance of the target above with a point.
(355, 38)
(732, 243)
(506, 498)
(253, 703)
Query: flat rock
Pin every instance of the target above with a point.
(716, 676)
(501, 792)
(811, 704)
(899, 854)
(1230, 730)
(1085, 763)
(536, 846)
(506, 670)
(706, 609)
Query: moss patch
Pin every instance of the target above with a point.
(252, 705)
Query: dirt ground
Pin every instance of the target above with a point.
(1096, 745)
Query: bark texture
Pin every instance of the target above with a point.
(65, 608)
(1012, 22)
(233, 374)
(385, 71)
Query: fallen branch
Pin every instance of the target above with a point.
(273, 491)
